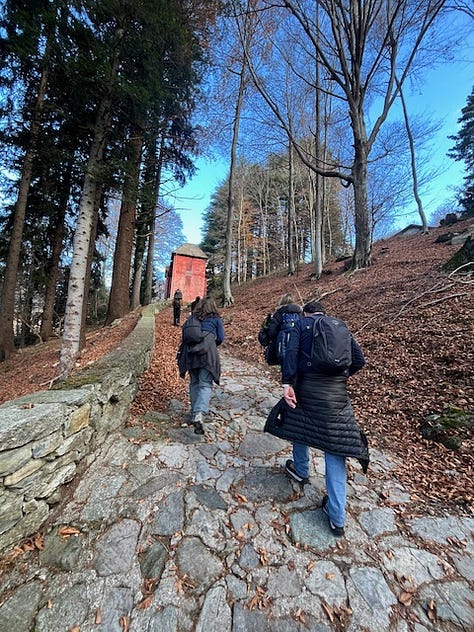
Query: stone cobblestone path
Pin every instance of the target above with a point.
(183, 532)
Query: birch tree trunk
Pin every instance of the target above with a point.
(90, 257)
(76, 289)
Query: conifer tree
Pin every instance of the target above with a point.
(464, 150)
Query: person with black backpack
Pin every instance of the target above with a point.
(315, 410)
(275, 331)
(202, 333)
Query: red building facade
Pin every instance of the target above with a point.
(187, 272)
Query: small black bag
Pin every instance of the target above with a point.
(270, 353)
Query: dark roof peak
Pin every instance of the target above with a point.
(190, 250)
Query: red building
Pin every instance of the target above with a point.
(187, 271)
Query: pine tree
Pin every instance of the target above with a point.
(464, 150)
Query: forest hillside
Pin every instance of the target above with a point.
(414, 322)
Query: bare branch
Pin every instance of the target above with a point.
(446, 298)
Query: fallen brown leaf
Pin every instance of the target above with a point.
(405, 598)
(146, 603)
(432, 611)
(66, 532)
(329, 611)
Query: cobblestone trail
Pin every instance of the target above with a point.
(188, 533)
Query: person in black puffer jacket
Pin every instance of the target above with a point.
(316, 411)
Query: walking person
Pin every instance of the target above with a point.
(315, 411)
(177, 302)
(201, 360)
(194, 303)
(274, 333)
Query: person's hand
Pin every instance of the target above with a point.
(289, 395)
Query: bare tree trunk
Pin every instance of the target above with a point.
(7, 302)
(119, 299)
(76, 289)
(362, 251)
(137, 278)
(53, 267)
(414, 176)
(82, 237)
(291, 212)
(148, 293)
(90, 257)
(228, 298)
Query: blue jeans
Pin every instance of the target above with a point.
(336, 479)
(200, 389)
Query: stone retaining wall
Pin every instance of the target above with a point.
(45, 435)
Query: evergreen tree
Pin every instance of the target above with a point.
(464, 150)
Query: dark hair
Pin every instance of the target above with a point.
(313, 307)
(206, 308)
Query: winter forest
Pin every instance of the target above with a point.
(105, 106)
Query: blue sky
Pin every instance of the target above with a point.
(442, 95)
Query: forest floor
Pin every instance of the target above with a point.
(414, 322)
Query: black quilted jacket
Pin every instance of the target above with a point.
(322, 419)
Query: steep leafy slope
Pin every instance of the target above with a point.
(416, 327)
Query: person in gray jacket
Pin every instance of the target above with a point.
(315, 411)
(201, 360)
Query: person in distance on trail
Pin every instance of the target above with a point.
(202, 361)
(316, 411)
(177, 301)
(194, 303)
(274, 331)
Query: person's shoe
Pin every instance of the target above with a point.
(197, 421)
(292, 473)
(337, 531)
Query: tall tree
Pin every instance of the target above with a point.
(119, 299)
(463, 149)
(414, 174)
(362, 47)
(87, 207)
(27, 43)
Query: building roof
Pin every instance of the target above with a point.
(411, 229)
(190, 250)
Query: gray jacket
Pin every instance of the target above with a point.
(202, 355)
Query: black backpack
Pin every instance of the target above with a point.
(269, 345)
(192, 332)
(263, 336)
(288, 322)
(331, 351)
